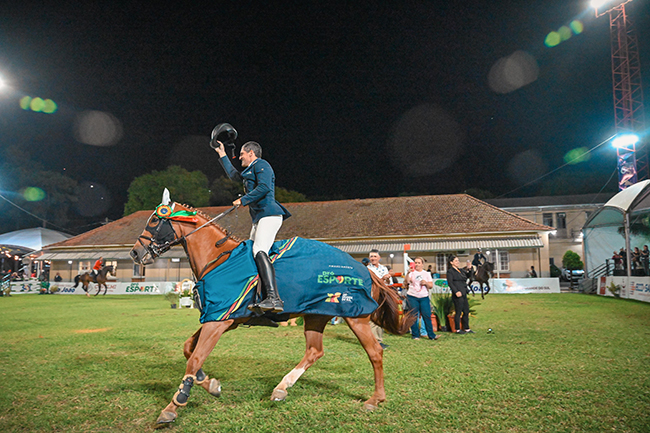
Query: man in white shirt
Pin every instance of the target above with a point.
(382, 272)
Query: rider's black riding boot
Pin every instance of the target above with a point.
(272, 301)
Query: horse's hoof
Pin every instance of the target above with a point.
(165, 419)
(278, 395)
(369, 407)
(215, 388)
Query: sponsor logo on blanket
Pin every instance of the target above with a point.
(333, 297)
(327, 277)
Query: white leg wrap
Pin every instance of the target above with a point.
(292, 377)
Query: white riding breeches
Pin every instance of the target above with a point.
(263, 233)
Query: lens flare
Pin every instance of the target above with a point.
(49, 106)
(24, 102)
(576, 156)
(565, 33)
(577, 27)
(37, 104)
(32, 193)
(552, 39)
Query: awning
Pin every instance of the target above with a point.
(108, 255)
(441, 244)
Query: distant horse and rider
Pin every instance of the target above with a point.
(97, 276)
(482, 276)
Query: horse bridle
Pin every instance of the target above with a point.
(169, 237)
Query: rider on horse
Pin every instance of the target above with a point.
(479, 260)
(267, 215)
(99, 264)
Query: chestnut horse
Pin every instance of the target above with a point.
(85, 279)
(207, 246)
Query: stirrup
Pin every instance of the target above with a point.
(271, 305)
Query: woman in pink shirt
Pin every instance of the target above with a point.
(420, 282)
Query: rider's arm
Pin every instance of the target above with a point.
(226, 164)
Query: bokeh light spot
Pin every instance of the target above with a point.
(576, 156)
(24, 102)
(527, 167)
(510, 73)
(565, 33)
(33, 194)
(37, 104)
(97, 128)
(425, 140)
(577, 27)
(49, 106)
(552, 39)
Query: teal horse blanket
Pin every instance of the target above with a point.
(312, 278)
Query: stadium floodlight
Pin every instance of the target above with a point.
(625, 140)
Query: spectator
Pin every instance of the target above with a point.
(645, 258)
(618, 261)
(532, 273)
(58, 278)
(382, 272)
(636, 259)
(420, 282)
(457, 281)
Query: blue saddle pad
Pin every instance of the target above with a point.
(312, 278)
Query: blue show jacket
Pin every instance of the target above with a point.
(259, 187)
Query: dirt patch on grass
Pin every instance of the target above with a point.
(90, 331)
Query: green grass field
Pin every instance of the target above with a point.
(563, 362)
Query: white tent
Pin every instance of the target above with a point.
(33, 239)
(601, 231)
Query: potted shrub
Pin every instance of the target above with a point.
(442, 305)
(172, 297)
(186, 299)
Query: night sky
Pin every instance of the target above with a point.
(347, 101)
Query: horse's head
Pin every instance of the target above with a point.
(489, 267)
(159, 234)
(108, 269)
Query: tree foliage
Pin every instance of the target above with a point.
(571, 260)
(49, 195)
(184, 186)
(224, 191)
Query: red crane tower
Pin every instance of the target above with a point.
(628, 93)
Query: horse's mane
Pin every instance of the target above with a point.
(208, 218)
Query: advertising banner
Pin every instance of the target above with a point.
(639, 288)
(113, 288)
(508, 285)
(525, 285)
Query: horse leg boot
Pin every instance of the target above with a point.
(207, 339)
(272, 301)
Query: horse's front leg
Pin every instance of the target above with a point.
(361, 328)
(314, 326)
(208, 337)
(85, 287)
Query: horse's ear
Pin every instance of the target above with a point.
(165, 198)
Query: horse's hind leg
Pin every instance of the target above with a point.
(208, 337)
(361, 328)
(314, 326)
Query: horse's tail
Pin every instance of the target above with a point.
(76, 281)
(387, 315)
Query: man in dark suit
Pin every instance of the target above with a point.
(267, 215)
